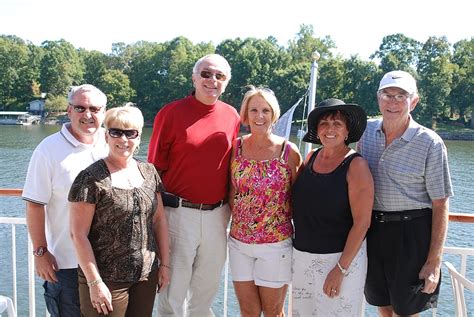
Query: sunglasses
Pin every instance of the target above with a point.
(82, 109)
(207, 74)
(129, 134)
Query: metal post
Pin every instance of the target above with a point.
(312, 93)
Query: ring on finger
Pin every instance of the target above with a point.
(333, 290)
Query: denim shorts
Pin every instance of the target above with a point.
(62, 297)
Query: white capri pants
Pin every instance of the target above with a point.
(309, 273)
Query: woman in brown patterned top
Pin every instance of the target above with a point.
(118, 225)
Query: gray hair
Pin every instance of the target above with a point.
(99, 96)
(227, 71)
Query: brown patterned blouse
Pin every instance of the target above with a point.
(121, 232)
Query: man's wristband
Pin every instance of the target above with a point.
(94, 282)
(165, 265)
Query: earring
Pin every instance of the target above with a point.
(137, 149)
(345, 139)
(317, 136)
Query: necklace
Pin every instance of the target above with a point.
(121, 176)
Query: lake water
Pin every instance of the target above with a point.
(18, 142)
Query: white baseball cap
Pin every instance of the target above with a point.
(400, 79)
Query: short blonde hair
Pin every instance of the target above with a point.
(125, 117)
(267, 95)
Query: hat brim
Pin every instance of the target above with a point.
(357, 122)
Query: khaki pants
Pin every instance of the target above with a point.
(128, 299)
(198, 252)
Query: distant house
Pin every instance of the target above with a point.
(36, 107)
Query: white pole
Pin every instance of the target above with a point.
(312, 93)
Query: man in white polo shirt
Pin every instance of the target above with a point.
(53, 167)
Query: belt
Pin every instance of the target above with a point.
(393, 216)
(171, 200)
(189, 204)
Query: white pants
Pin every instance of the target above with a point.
(198, 245)
(309, 273)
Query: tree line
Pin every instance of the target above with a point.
(153, 74)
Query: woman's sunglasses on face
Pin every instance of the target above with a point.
(129, 134)
(207, 74)
(82, 109)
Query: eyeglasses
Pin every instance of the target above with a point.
(129, 134)
(207, 74)
(398, 98)
(82, 109)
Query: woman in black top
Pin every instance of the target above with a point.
(118, 225)
(332, 204)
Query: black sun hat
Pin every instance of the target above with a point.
(355, 113)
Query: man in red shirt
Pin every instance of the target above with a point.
(191, 145)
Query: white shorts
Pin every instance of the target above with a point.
(267, 264)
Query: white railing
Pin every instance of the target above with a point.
(13, 222)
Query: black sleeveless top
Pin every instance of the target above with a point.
(321, 211)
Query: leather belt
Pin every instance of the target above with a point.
(393, 216)
(189, 204)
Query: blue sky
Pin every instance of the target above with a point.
(357, 27)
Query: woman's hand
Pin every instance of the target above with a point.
(101, 298)
(163, 276)
(333, 282)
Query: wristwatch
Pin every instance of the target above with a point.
(40, 251)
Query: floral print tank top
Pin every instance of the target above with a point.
(261, 211)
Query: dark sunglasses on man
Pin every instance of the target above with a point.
(82, 109)
(129, 134)
(208, 74)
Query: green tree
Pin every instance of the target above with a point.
(56, 104)
(462, 92)
(360, 81)
(436, 75)
(253, 62)
(18, 70)
(398, 52)
(95, 66)
(61, 67)
(116, 86)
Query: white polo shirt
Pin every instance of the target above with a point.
(54, 165)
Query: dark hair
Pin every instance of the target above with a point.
(336, 114)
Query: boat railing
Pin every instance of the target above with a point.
(15, 221)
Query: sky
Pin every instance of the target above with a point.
(356, 27)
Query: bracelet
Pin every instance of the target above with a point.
(166, 266)
(343, 270)
(94, 282)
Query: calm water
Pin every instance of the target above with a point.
(17, 143)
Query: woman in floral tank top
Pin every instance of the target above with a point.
(263, 168)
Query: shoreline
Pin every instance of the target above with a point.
(456, 136)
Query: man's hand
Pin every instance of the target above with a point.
(430, 273)
(46, 267)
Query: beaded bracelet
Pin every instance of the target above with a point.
(166, 266)
(94, 282)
